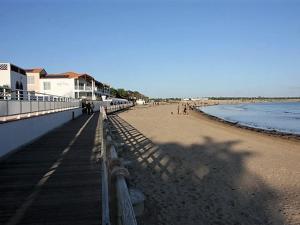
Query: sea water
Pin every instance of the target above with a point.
(281, 116)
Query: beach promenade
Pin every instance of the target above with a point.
(56, 179)
(194, 170)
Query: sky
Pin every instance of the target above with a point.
(166, 48)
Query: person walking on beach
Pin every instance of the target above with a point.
(178, 109)
(184, 110)
(187, 108)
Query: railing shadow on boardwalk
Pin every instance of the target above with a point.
(198, 184)
(56, 179)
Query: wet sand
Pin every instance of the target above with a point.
(196, 170)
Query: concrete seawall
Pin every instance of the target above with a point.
(17, 133)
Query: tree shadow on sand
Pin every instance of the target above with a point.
(197, 184)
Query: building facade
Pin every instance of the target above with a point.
(12, 77)
(37, 80)
(33, 78)
(75, 85)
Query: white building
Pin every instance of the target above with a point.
(12, 77)
(69, 84)
(75, 85)
(140, 102)
(34, 77)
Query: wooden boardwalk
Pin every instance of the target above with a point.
(56, 179)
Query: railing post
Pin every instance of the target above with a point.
(53, 99)
(30, 107)
(45, 104)
(7, 110)
(20, 105)
(4, 99)
(38, 105)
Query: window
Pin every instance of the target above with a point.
(17, 69)
(47, 86)
(30, 79)
(17, 85)
(14, 68)
(21, 71)
(3, 66)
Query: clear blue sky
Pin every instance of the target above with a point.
(161, 48)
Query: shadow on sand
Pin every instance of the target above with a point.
(197, 184)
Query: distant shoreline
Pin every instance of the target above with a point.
(273, 133)
(209, 102)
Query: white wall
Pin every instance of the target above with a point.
(20, 132)
(5, 76)
(140, 102)
(60, 87)
(35, 86)
(9, 77)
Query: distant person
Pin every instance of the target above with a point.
(92, 107)
(83, 105)
(184, 110)
(178, 109)
(88, 107)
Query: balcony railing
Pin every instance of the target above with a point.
(82, 88)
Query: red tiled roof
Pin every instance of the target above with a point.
(69, 75)
(35, 70)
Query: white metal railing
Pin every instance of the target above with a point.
(79, 88)
(83, 88)
(20, 103)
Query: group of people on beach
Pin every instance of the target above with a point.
(88, 107)
(183, 108)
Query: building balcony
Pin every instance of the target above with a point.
(83, 88)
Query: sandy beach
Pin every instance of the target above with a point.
(196, 170)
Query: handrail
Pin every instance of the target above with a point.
(105, 192)
(125, 206)
(126, 215)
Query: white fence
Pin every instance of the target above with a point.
(21, 104)
(12, 107)
(18, 104)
